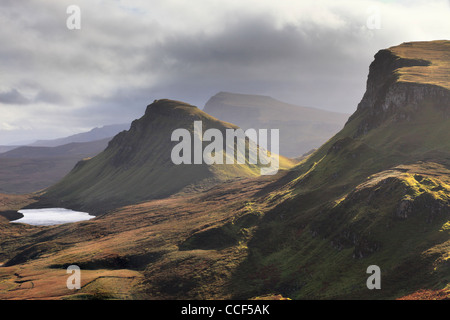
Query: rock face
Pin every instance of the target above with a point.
(391, 92)
(382, 76)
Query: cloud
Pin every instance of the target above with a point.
(128, 53)
(13, 96)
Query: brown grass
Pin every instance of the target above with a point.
(128, 253)
(436, 52)
(427, 294)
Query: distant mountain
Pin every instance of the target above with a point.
(77, 149)
(301, 128)
(95, 134)
(7, 148)
(29, 169)
(137, 165)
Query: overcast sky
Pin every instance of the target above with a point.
(55, 81)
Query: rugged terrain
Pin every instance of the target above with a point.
(377, 193)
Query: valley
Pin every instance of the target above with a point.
(375, 193)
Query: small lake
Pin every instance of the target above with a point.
(51, 216)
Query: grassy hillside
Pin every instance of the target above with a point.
(378, 196)
(142, 251)
(436, 52)
(137, 164)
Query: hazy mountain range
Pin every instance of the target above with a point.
(48, 161)
(301, 128)
(101, 133)
(37, 166)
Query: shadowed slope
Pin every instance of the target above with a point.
(376, 193)
(137, 165)
(301, 128)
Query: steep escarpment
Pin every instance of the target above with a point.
(377, 193)
(400, 82)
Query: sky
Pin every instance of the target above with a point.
(62, 75)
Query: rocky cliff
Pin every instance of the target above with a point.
(402, 79)
(377, 193)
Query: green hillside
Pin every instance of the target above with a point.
(376, 193)
(137, 165)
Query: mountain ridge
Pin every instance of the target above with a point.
(137, 165)
(376, 193)
(84, 149)
(98, 133)
(388, 94)
(28, 169)
(301, 128)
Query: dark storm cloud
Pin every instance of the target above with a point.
(253, 56)
(125, 105)
(128, 53)
(13, 97)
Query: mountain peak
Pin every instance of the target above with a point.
(137, 165)
(173, 108)
(169, 104)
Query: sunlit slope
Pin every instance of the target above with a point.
(137, 164)
(376, 193)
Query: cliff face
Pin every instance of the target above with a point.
(395, 91)
(377, 192)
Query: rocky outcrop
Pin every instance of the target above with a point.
(392, 197)
(387, 97)
(426, 205)
(382, 75)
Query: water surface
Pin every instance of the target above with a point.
(51, 216)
